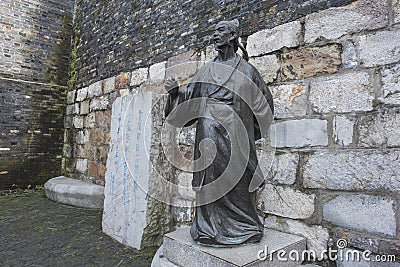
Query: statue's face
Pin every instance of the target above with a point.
(222, 36)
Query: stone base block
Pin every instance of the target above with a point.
(181, 250)
(75, 192)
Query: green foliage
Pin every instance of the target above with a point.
(74, 58)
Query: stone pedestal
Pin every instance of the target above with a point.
(180, 250)
(137, 172)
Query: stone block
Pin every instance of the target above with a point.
(182, 66)
(71, 97)
(349, 55)
(82, 94)
(373, 53)
(99, 103)
(290, 100)
(90, 120)
(333, 23)
(157, 73)
(342, 130)
(72, 109)
(96, 136)
(75, 192)
(373, 214)
(139, 76)
(342, 93)
(268, 66)
(81, 165)
(286, 202)
(95, 89)
(109, 85)
(396, 11)
(279, 168)
(269, 40)
(317, 236)
(103, 118)
(310, 61)
(78, 122)
(180, 249)
(137, 187)
(85, 105)
(358, 170)
(123, 80)
(379, 129)
(82, 137)
(299, 133)
(390, 91)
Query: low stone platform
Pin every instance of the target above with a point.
(75, 192)
(179, 250)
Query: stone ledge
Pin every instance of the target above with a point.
(180, 250)
(75, 192)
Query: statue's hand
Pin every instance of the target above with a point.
(171, 86)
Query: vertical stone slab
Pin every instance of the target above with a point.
(127, 204)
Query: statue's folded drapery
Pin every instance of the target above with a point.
(232, 111)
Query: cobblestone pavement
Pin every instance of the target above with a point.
(35, 231)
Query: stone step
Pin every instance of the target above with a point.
(179, 250)
(75, 192)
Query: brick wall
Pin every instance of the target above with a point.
(35, 43)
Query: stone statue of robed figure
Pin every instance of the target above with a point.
(233, 108)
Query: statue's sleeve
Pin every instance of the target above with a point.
(262, 107)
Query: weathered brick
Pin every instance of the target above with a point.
(290, 100)
(310, 61)
(268, 66)
(82, 165)
(286, 202)
(82, 94)
(95, 89)
(342, 93)
(269, 40)
(342, 130)
(390, 91)
(139, 76)
(317, 236)
(379, 129)
(109, 85)
(78, 122)
(103, 118)
(182, 66)
(71, 97)
(358, 170)
(82, 137)
(333, 23)
(99, 103)
(299, 133)
(374, 214)
(85, 107)
(90, 120)
(373, 53)
(96, 136)
(355, 239)
(123, 80)
(157, 72)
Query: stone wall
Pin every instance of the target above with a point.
(35, 43)
(334, 77)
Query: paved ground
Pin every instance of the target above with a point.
(35, 231)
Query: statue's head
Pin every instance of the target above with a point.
(227, 33)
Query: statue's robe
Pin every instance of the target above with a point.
(232, 108)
